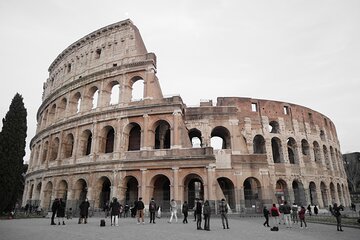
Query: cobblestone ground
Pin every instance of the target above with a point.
(240, 228)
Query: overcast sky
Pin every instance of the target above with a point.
(302, 52)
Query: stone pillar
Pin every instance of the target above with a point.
(210, 181)
(176, 134)
(145, 141)
(175, 185)
(25, 194)
(114, 187)
(95, 144)
(42, 193)
(143, 183)
(76, 150)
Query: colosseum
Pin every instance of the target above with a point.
(95, 141)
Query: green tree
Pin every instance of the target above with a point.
(12, 152)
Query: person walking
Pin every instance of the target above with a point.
(185, 211)
(274, 211)
(294, 213)
(84, 211)
(266, 215)
(286, 213)
(198, 211)
(54, 208)
(207, 214)
(309, 209)
(61, 211)
(114, 212)
(173, 210)
(302, 217)
(140, 211)
(223, 209)
(152, 210)
(337, 214)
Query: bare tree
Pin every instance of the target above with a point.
(352, 168)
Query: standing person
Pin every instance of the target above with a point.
(61, 211)
(185, 211)
(115, 212)
(275, 215)
(106, 209)
(281, 214)
(302, 217)
(316, 210)
(266, 215)
(337, 214)
(223, 209)
(54, 208)
(198, 211)
(286, 213)
(294, 213)
(173, 210)
(140, 210)
(126, 209)
(84, 211)
(309, 209)
(152, 210)
(207, 214)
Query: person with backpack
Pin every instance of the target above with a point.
(286, 213)
(152, 210)
(302, 217)
(274, 211)
(337, 214)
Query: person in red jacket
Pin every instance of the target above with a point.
(302, 217)
(274, 211)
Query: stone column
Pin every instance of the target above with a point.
(25, 194)
(175, 184)
(210, 180)
(143, 183)
(42, 193)
(176, 134)
(145, 142)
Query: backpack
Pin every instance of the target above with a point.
(102, 223)
(152, 206)
(274, 229)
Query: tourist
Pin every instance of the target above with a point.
(126, 210)
(207, 214)
(309, 209)
(223, 209)
(140, 211)
(337, 214)
(173, 210)
(198, 211)
(152, 210)
(266, 215)
(302, 217)
(61, 211)
(185, 211)
(54, 208)
(84, 211)
(114, 212)
(316, 210)
(274, 211)
(294, 213)
(286, 213)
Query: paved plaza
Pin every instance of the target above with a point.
(240, 228)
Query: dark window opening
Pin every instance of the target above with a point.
(88, 145)
(109, 145)
(259, 145)
(69, 67)
(134, 138)
(98, 53)
(274, 127)
(162, 136)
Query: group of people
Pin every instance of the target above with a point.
(58, 209)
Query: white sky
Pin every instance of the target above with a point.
(302, 52)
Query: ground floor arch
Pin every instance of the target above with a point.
(62, 190)
(252, 194)
(161, 191)
(281, 191)
(48, 191)
(103, 190)
(131, 194)
(324, 194)
(299, 193)
(228, 190)
(313, 194)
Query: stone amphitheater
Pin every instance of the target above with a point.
(95, 141)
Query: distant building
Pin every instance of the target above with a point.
(95, 140)
(352, 168)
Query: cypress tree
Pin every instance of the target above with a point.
(12, 152)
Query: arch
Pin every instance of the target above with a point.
(252, 193)
(326, 157)
(75, 103)
(305, 148)
(333, 160)
(137, 88)
(47, 195)
(274, 127)
(324, 194)
(85, 143)
(38, 191)
(228, 190)
(115, 93)
(299, 193)
(259, 145)
(332, 192)
(292, 151)
(31, 191)
(68, 146)
(317, 153)
(51, 116)
(44, 152)
(103, 190)
(44, 118)
(80, 190)
(107, 139)
(161, 190)
(132, 186)
(281, 191)
(224, 134)
(277, 153)
(62, 190)
(322, 135)
(62, 107)
(91, 101)
(162, 135)
(193, 188)
(134, 142)
(313, 194)
(54, 149)
(339, 192)
(195, 138)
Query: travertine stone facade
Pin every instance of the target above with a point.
(94, 140)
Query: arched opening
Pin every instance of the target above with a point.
(62, 190)
(326, 157)
(47, 195)
(299, 193)
(162, 135)
(322, 135)
(37, 193)
(109, 140)
(80, 190)
(194, 188)
(332, 192)
(276, 150)
(281, 191)
(305, 149)
(324, 194)
(252, 194)
(54, 149)
(131, 194)
(31, 192)
(259, 145)
(75, 103)
(51, 117)
(115, 93)
(317, 153)
(313, 194)
(44, 118)
(95, 98)
(274, 127)
(292, 151)
(85, 143)
(103, 187)
(137, 93)
(68, 146)
(333, 160)
(161, 192)
(44, 152)
(228, 190)
(341, 200)
(195, 138)
(220, 133)
(134, 137)
(62, 107)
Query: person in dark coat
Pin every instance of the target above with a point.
(61, 211)
(207, 214)
(266, 215)
(84, 211)
(309, 209)
(140, 210)
(198, 211)
(152, 210)
(114, 212)
(54, 208)
(316, 210)
(185, 211)
(302, 217)
(337, 214)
